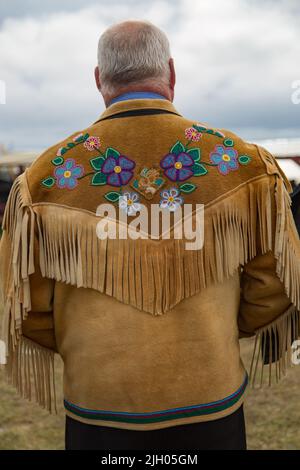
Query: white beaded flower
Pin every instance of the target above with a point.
(170, 199)
(129, 202)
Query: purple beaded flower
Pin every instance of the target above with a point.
(119, 170)
(226, 159)
(68, 173)
(177, 167)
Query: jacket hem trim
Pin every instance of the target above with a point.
(157, 416)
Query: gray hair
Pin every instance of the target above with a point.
(133, 52)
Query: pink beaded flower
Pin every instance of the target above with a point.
(92, 143)
(192, 134)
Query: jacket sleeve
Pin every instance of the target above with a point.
(270, 283)
(27, 298)
(39, 323)
(263, 297)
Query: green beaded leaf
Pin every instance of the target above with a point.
(63, 150)
(71, 145)
(218, 134)
(228, 142)
(177, 148)
(199, 128)
(82, 138)
(195, 154)
(97, 163)
(110, 152)
(48, 182)
(207, 131)
(98, 179)
(199, 169)
(244, 159)
(187, 187)
(57, 161)
(112, 196)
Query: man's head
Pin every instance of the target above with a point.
(134, 56)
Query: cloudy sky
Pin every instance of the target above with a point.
(236, 63)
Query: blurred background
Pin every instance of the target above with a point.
(237, 66)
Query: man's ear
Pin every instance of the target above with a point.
(172, 74)
(97, 78)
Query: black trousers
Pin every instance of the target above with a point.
(222, 434)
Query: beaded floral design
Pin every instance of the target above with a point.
(225, 158)
(184, 162)
(178, 167)
(92, 143)
(170, 199)
(118, 170)
(129, 202)
(192, 134)
(67, 174)
(148, 182)
(108, 167)
(113, 168)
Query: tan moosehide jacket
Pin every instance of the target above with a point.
(148, 329)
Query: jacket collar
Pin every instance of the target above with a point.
(136, 104)
(131, 95)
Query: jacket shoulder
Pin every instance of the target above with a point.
(263, 160)
(41, 173)
(259, 156)
(217, 138)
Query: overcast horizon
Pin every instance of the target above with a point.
(235, 64)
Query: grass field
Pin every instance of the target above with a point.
(272, 415)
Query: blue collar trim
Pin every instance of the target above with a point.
(133, 95)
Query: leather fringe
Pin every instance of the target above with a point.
(274, 341)
(287, 246)
(29, 366)
(273, 349)
(30, 369)
(154, 275)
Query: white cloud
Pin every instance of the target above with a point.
(236, 61)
